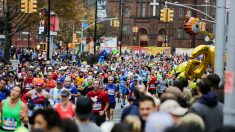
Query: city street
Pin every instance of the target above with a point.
(62, 63)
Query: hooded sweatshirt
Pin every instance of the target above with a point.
(210, 110)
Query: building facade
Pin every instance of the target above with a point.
(142, 27)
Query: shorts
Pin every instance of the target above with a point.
(153, 92)
(112, 105)
(123, 91)
(97, 119)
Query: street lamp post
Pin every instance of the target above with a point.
(121, 22)
(95, 33)
(48, 29)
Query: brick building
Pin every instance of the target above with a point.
(152, 32)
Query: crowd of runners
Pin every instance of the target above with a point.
(61, 96)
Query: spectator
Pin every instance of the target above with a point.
(134, 121)
(192, 119)
(83, 114)
(46, 119)
(208, 107)
(158, 121)
(146, 107)
(173, 108)
(122, 127)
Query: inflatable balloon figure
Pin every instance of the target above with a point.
(102, 56)
(191, 25)
(195, 68)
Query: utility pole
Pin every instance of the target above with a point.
(229, 107)
(48, 28)
(95, 33)
(220, 38)
(121, 24)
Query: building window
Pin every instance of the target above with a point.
(19, 35)
(127, 12)
(143, 10)
(180, 33)
(187, 36)
(126, 29)
(181, 13)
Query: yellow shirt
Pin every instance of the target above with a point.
(79, 80)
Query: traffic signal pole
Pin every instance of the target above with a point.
(188, 7)
(220, 38)
(229, 106)
(48, 29)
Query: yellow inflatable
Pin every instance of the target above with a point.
(195, 68)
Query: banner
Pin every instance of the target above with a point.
(108, 42)
(101, 10)
(183, 51)
(148, 50)
(54, 20)
(156, 50)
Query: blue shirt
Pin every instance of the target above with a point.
(2, 96)
(144, 75)
(132, 86)
(122, 83)
(73, 90)
(111, 89)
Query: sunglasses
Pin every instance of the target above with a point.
(110, 80)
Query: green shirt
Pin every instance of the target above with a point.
(11, 116)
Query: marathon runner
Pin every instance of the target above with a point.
(111, 90)
(100, 105)
(13, 112)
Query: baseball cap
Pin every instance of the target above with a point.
(159, 122)
(50, 68)
(39, 81)
(65, 93)
(173, 107)
(83, 107)
(60, 80)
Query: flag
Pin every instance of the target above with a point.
(85, 25)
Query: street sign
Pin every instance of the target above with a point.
(2, 36)
(53, 33)
(25, 33)
(78, 32)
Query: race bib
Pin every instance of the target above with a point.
(38, 106)
(97, 106)
(27, 86)
(111, 92)
(152, 86)
(9, 123)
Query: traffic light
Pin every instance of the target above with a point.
(115, 23)
(202, 26)
(75, 40)
(170, 15)
(24, 6)
(163, 15)
(32, 6)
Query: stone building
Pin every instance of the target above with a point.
(143, 15)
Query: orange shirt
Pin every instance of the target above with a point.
(50, 84)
